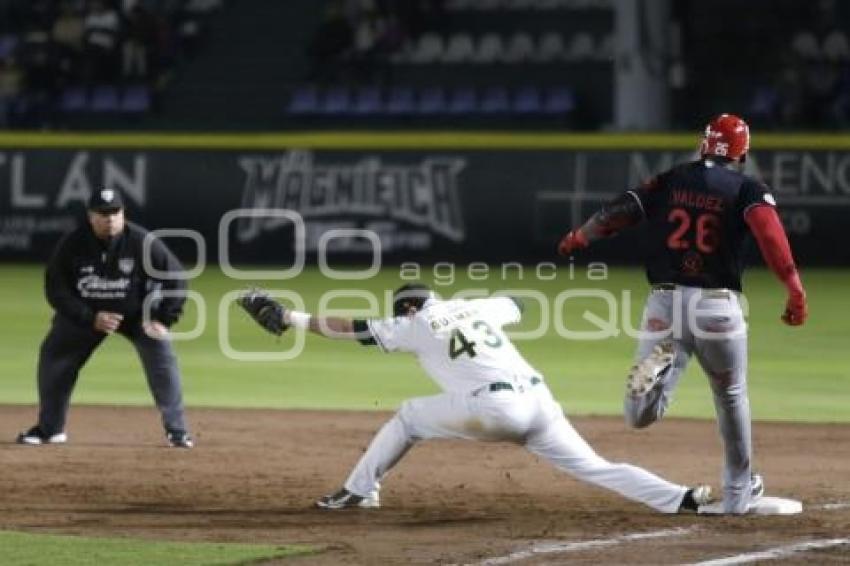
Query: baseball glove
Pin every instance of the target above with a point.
(267, 312)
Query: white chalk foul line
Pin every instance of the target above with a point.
(833, 506)
(556, 548)
(774, 553)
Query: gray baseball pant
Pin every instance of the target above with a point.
(66, 349)
(708, 323)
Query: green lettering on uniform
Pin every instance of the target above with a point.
(459, 344)
(492, 339)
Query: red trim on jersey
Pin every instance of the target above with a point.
(767, 228)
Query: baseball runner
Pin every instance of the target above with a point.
(96, 283)
(700, 216)
(489, 393)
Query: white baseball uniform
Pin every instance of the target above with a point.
(489, 393)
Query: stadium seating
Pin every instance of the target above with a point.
(73, 99)
(528, 58)
(406, 100)
(136, 99)
(105, 99)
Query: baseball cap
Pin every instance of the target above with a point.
(105, 199)
(411, 295)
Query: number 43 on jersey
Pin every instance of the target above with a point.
(459, 344)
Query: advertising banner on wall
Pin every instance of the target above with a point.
(473, 205)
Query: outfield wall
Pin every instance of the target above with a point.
(429, 196)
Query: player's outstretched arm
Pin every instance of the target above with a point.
(327, 326)
(276, 319)
(767, 228)
(620, 213)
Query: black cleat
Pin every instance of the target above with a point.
(696, 497)
(344, 498)
(179, 439)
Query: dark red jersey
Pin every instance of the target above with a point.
(697, 232)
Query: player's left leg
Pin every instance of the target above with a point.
(163, 377)
(482, 415)
(660, 329)
(721, 348)
(554, 439)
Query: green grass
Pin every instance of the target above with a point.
(795, 373)
(24, 549)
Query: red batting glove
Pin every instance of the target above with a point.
(796, 310)
(573, 241)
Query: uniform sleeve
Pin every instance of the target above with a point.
(393, 334)
(59, 287)
(504, 310)
(647, 194)
(767, 229)
(169, 309)
(752, 194)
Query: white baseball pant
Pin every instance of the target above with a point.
(528, 415)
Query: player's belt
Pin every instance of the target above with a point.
(505, 386)
(716, 293)
(708, 293)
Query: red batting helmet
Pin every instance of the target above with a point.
(726, 136)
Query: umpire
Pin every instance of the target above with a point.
(97, 284)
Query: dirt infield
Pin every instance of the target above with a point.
(254, 476)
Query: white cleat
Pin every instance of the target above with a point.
(649, 371)
(702, 495)
(756, 487)
(760, 504)
(35, 437)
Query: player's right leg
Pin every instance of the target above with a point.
(661, 359)
(65, 350)
(721, 348)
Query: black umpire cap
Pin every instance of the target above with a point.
(106, 200)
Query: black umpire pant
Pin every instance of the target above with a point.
(66, 349)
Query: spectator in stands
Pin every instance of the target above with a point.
(67, 35)
(140, 41)
(11, 83)
(37, 56)
(814, 89)
(361, 35)
(331, 44)
(102, 29)
(378, 33)
(191, 23)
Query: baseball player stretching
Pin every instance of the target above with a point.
(489, 393)
(700, 215)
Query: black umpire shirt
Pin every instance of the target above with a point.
(86, 275)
